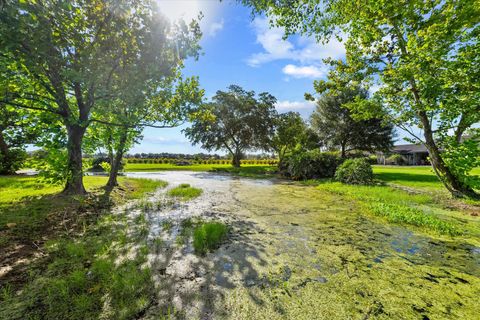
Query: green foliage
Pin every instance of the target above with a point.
(462, 157)
(337, 128)
(235, 121)
(407, 215)
(312, 164)
(397, 159)
(290, 133)
(72, 73)
(355, 171)
(424, 57)
(185, 192)
(12, 161)
(106, 166)
(208, 236)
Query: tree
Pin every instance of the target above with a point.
(290, 133)
(236, 121)
(337, 129)
(140, 106)
(68, 56)
(423, 54)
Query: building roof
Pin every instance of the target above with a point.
(409, 148)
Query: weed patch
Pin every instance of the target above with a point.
(402, 214)
(185, 192)
(208, 236)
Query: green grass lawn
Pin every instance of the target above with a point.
(420, 177)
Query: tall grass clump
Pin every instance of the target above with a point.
(185, 192)
(208, 236)
(408, 215)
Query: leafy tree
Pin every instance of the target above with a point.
(140, 106)
(70, 55)
(236, 121)
(337, 128)
(424, 55)
(290, 133)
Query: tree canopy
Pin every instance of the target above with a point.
(422, 54)
(338, 129)
(236, 121)
(72, 56)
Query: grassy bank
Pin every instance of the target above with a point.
(70, 256)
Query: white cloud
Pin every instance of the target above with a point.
(164, 140)
(286, 105)
(301, 49)
(303, 71)
(215, 27)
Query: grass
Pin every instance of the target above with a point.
(208, 236)
(185, 192)
(419, 177)
(84, 278)
(420, 210)
(257, 171)
(68, 255)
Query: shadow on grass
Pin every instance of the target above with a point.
(27, 224)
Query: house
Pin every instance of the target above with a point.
(412, 154)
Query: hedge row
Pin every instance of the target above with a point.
(210, 161)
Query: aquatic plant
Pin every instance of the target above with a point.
(207, 236)
(403, 214)
(185, 192)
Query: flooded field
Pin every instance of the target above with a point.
(296, 252)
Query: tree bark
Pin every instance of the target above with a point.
(3, 145)
(74, 184)
(112, 179)
(237, 156)
(456, 187)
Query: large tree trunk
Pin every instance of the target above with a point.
(115, 167)
(3, 145)
(74, 183)
(237, 156)
(4, 150)
(456, 187)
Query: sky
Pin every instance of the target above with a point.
(237, 49)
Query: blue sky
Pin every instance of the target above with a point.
(246, 52)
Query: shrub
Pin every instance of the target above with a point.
(208, 236)
(397, 159)
(12, 161)
(311, 164)
(355, 171)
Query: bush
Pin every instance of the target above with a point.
(312, 164)
(355, 171)
(12, 161)
(208, 236)
(397, 159)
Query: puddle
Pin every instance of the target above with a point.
(321, 258)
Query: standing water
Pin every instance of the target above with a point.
(296, 252)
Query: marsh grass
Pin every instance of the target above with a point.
(397, 206)
(412, 216)
(185, 192)
(208, 236)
